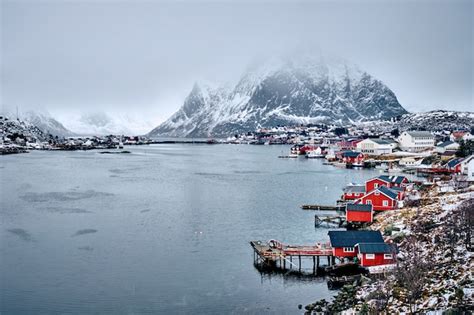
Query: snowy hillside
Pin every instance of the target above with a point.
(307, 89)
(41, 119)
(46, 123)
(437, 120)
(14, 128)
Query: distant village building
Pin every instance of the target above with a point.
(409, 162)
(461, 135)
(416, 141)
(447, 146)
(447, 155)
(467, 167)
(455, 165)
(352, 157)
(374, 146)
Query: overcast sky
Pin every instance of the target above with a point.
(143, 56)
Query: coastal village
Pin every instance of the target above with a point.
(407, 246)
(393, 243)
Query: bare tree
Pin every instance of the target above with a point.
(411, 274)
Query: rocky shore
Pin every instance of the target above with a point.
(435, 260)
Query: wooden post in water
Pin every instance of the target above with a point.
(299, 258)
(291, 261)
(314, 264)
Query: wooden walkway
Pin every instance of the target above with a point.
(277, 255)
(324, 208)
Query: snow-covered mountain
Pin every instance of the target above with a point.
(305, 89)
(45, 122)
(41, 119)
(437, 120)
(13, 128)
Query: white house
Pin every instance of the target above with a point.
(409, 162)
(374, 146)
(447, 146)
(416, 141)
(467, 167)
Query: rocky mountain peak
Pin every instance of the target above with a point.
(303, 89)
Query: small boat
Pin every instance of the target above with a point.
(313, 155)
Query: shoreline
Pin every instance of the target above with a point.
(434, 271)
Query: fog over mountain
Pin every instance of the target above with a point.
(309, 88)
(136, 62)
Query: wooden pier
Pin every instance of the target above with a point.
(324, 208)
(281, 256)
(329, 220)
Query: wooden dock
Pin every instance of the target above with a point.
(280, 256)
(337, 220)
(324, 207)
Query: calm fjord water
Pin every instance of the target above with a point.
(162, 230)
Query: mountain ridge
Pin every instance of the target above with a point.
(283, 91)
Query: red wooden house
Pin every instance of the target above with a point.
(400, 192)
(381, 199)
(376, 254)
(343, 242)
(306, 148)
(359, 213)
(385, 180)
(352, 157)
(353, 192)
(454, 165)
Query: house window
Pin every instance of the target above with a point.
(387, 256)
(377, 193)
(348, 249)
(368, 202)
(385, 203)
(369, 256)
(376, 185)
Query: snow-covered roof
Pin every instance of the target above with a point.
(354, 188)
(419, 134)
(445, 144)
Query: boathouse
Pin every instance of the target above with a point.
(382, 198)
(376, 254)
(353, 192)
(385, 180)
(359, 213)
(343, 242)
(352, 157)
